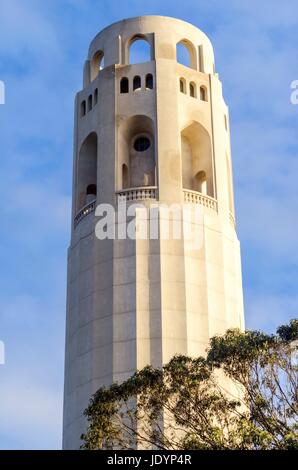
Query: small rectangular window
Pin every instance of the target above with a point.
(83, 108)
(124, 85)
(96, 96)
(89, 102)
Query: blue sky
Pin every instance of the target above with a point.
(42, 49)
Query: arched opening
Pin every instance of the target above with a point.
(83, 108)
(142, 162)
(196, 155)
(186, 54)
(139, 50)
(95, 95)
(89, 102)
(124, 85)
(97, 64)
(182, 85)
(91, 192)
(137, 83)
(200, 182)
(87, 171)
(125, 177)
(192, 90)
(136, 152)
(149, 81)
(203, 93)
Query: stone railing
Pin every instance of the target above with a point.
(194, 197)
(137, 194)
(87, 209)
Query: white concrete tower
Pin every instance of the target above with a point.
(156, 131)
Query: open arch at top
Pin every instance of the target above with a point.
(97, 64)
(139, 50)
(186, 54)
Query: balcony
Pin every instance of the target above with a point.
(137, 194)
(194, 197)
(87, 209)
(150, 193)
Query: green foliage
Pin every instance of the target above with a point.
(243, 395)
(289, 332)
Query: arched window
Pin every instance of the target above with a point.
(91, 189)
(83, 108)
(203, 93)
(200, 183)
(149, 81)
(142, 161)
(182, 85)
(124, 85)
(125, 177)
(95, 95)
(89, 102)
(91, 192)
(196, 156)
(87, 171)
(137, 83)
(139, 51)
(97, 64)
(192, 90)
(136, 152)
(185, 54)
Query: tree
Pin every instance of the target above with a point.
(243, 395)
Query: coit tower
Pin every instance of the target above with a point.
(154, 131)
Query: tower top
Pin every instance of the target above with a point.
(152, 20)
(162, 32)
